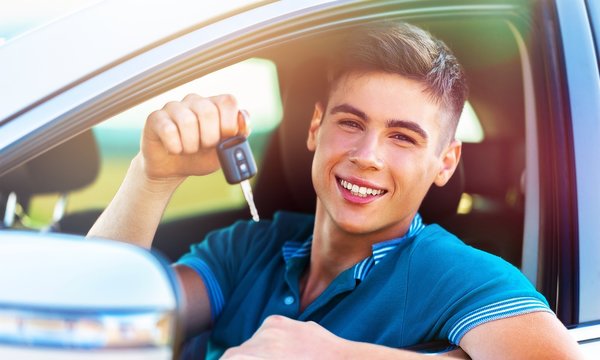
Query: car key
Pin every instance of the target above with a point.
(238, 166)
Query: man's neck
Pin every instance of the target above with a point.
(333, 251)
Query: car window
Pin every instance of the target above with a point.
(469, 129)
(253, 82)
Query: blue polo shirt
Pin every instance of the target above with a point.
(424, 286)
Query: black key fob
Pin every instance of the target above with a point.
(236, 159)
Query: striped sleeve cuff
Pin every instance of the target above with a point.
(495, 311)
(215, 295)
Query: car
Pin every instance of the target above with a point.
(74, 95)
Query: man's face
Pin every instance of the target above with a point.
(377, 152)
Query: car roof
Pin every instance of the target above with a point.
(113, 47)
(43, 61)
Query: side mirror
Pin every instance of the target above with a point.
(66, 297)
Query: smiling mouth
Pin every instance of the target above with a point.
(360, 191)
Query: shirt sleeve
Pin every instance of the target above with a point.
(222, 256)
(460, 288)
(498, 310)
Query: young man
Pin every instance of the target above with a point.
(364, 277)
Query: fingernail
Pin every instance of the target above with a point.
(245, 115)
(245, 126)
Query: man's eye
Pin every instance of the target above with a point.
(350, 124)
(404, 138)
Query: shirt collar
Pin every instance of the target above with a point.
(297, 249)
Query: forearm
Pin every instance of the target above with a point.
(280, 337)
(135, 212)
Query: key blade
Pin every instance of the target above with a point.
(247, 190)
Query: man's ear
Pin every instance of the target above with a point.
(315, 124)
(450, 159)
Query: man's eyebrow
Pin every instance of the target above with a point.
(410, 125)
(392, 123)
(346, 108)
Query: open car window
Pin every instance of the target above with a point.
(255, 85)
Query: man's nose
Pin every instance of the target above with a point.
(365, 152)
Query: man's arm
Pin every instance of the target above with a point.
(133, 216)
(538, 335)
(178, 141)
(135, 212)
(531, 336)
(196, 304)
(283, 338)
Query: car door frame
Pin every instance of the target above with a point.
(579, 30)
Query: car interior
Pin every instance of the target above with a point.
(490, 174)
(483, 204)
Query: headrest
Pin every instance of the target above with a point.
(442, 202)
(508, 157)
(284, 181)
(67, 167)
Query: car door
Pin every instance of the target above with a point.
(579, 30)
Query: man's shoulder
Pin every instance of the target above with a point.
(436, 245)
(438, 259)
(435, 237)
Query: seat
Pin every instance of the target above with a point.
(65, 168)
(495, 221)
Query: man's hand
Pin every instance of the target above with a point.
(180, 139)
(283, 338)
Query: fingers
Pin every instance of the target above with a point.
(207, 116)
(187, 125)
(228, 111)
(196, 123)
(276, 321)
(159, 126)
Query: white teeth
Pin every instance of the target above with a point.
(361, 191)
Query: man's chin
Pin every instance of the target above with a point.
(355, 226)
